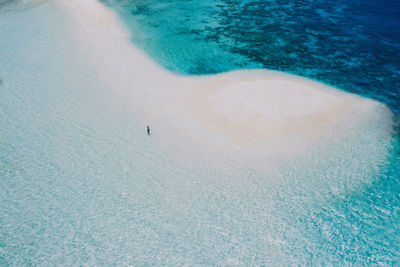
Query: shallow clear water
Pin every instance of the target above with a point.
(354, 45)
(81, 183)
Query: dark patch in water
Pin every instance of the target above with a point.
(354, 46)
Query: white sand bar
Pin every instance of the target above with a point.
(266, 111)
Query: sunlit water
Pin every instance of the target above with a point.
(352, 45)
(81, 182)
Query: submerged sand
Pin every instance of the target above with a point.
(255, 110)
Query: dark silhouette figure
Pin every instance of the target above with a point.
(148, 130)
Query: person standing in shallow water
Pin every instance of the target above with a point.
(148, 130)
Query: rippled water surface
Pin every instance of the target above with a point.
(82, 184)
(352, 45)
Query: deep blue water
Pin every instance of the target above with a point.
(82, 184)
(352, 45)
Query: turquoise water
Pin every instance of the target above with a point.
(354, 46)
(82, 184)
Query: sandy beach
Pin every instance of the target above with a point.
(244, 168)
(250, 110)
